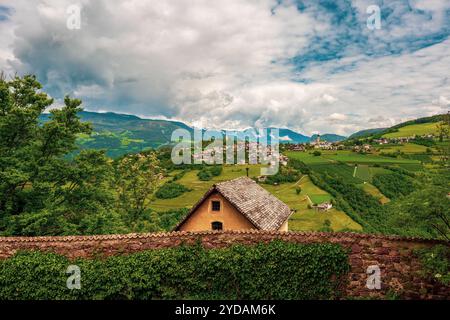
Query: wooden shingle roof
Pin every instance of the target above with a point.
(260, 207)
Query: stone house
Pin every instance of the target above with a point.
(238, 204)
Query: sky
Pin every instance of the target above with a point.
(312, 66)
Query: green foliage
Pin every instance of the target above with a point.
(436, 263)
(326, 226)
(41, 192)
(46, 188)
(393, 185)
(317, 153)
(277, 270)
(136, 178)
(426, 211)
(171, 190)
(360, 206)
(299, 166)
(340, 169)
(208, 172)
(169, 219)
(284, 175)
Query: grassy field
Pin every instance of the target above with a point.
(311, 219)
(343, 170)
(353, 157)
(373, 191)
(409, 148)
(308, 158)
(330, 157)
(362, 172)
(305, 218)
(414, 129)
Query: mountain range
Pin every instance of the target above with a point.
(121, 133)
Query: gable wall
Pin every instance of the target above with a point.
(230, 217)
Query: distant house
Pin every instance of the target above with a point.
(237, 204)
(323, 206)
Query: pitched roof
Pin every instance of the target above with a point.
(260, 207)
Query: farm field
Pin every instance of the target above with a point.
(362, 172)
(330, 157)
(308, 158)
(414, 129)
(343, 170)
(353, 157)
(373, 191)
(409, 148)
(309, 219)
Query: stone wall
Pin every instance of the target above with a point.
(394, 255)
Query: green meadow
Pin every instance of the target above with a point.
(409, 148)
(373, 191)
(414, 129)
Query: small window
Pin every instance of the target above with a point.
(215, 205)
(216, 225)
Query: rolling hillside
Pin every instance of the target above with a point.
(414, 129)
(366, 132)
(120, 134)
(420, 126)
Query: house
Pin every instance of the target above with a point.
(323, 206)
(238, 204)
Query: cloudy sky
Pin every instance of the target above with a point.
(313, 66)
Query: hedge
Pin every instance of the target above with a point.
(278, 270)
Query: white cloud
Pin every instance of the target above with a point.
(227, 63)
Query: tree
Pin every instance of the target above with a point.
(444, 127)
(41, 192)
(426, 212)
(136, 178)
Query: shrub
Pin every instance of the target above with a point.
(171, 190)
(208, 172)
(204, 175)
(326, 227)
(278, 270)
(317, 153)
(169, 219)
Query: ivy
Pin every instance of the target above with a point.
(436, 263)
(278, 270)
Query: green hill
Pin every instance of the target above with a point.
(121, 134)
(329, 137)
(420, 126)
(414, 129)
(366, 132)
